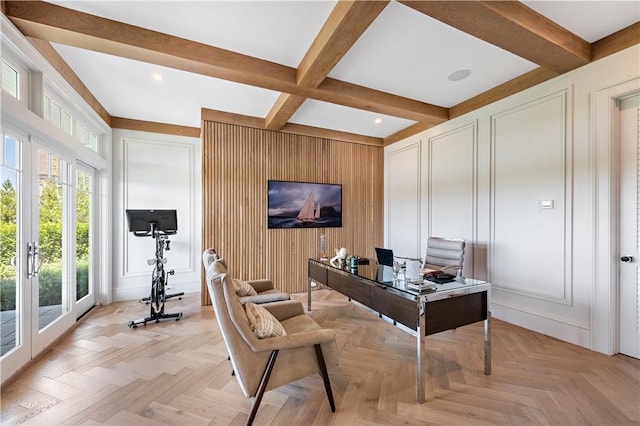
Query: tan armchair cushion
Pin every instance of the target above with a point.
(243, 288)
(262, 322)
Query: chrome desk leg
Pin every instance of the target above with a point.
(487, 344)
(309, 294)
(420, 348)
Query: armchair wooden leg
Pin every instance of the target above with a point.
(262, 386)
(325, 377)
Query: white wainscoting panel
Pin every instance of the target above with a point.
(158, 177)
(531, 200)
(403, 200)
(451, 181)
(156, 172)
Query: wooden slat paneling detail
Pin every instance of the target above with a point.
(238, 161)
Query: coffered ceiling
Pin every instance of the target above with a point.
(365, 71)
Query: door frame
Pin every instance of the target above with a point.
(605, 296)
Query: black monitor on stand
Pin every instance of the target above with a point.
(145, 223)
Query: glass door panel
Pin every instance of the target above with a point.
(49, 258)
(84, 292)
(52, 242)
(15, 229)
(9, 231)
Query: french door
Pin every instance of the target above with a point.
(44, 278)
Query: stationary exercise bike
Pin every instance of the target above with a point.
(158, 224)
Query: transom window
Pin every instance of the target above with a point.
(57, 115)
(86, 136)
(10, 80)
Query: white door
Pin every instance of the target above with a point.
(15, 289)
(38, 250)
(84, 295)
(629, 226)
(52, 247)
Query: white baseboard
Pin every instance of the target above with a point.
(572, 333)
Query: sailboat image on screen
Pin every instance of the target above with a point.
(310, 211)
(303, 204)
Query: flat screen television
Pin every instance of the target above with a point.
(304, 205)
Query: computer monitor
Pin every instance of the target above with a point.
(385, 256)
(165, 222)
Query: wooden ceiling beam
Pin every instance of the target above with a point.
(515, 85)
(616, 42)
(153, 127)
(54, 23)
(258, 123)
(347, 22)
(513, 27)
(282, 110)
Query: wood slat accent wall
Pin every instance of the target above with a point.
(238, 161)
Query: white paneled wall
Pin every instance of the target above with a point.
(531, 194)
(520, 181)
(154, 171)
(402, 197)
(450, 181)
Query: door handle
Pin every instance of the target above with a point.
(626, 259)
(36, 259)
(29, 260)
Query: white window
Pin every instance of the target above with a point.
(57, 115)
(10, 80)
(14, 78)
(86, 136)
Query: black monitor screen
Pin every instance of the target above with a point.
(166, 221)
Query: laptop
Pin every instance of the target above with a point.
(385, 256)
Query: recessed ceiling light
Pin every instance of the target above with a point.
(377, 120)
(157, 76)
(459, 75)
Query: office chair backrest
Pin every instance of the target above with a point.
(445, 254)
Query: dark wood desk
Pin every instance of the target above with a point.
(451, 305)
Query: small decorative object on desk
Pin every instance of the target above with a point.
(339, 258)
(323, 247)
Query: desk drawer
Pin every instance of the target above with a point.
(402, 310)
(317, 273)
(455, 312)
(349, 287)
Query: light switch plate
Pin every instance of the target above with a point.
(547, 204)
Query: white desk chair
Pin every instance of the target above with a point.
(445, 254)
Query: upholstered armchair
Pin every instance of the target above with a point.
(254, 291)
(292, 345)
(445, 254)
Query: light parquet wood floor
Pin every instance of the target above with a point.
(177, 373)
